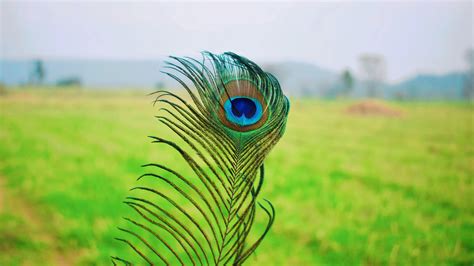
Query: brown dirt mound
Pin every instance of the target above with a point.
(372, 107)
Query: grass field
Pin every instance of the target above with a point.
(348, 189)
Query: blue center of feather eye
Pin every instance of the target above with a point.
(243, 106)
(243, 111)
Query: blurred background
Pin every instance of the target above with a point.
(376, 166)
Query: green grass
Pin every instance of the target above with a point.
(348, 189)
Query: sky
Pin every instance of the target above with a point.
(413, 37)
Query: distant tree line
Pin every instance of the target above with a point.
(371, 83)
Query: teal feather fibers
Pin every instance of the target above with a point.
(237, 113)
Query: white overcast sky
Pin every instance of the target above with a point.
(414, 37)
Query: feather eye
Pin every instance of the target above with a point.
(235, 116)
(243, 106)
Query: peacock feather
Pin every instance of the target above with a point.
(232, 116)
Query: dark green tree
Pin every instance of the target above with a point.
(347, 81)
(38, 74)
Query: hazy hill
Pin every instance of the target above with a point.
(296, 78)
(92, 73)
(429, 86)
(302, 79)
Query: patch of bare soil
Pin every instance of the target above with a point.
(38, 227)
(373, 107)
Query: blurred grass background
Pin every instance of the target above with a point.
(348, 189)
